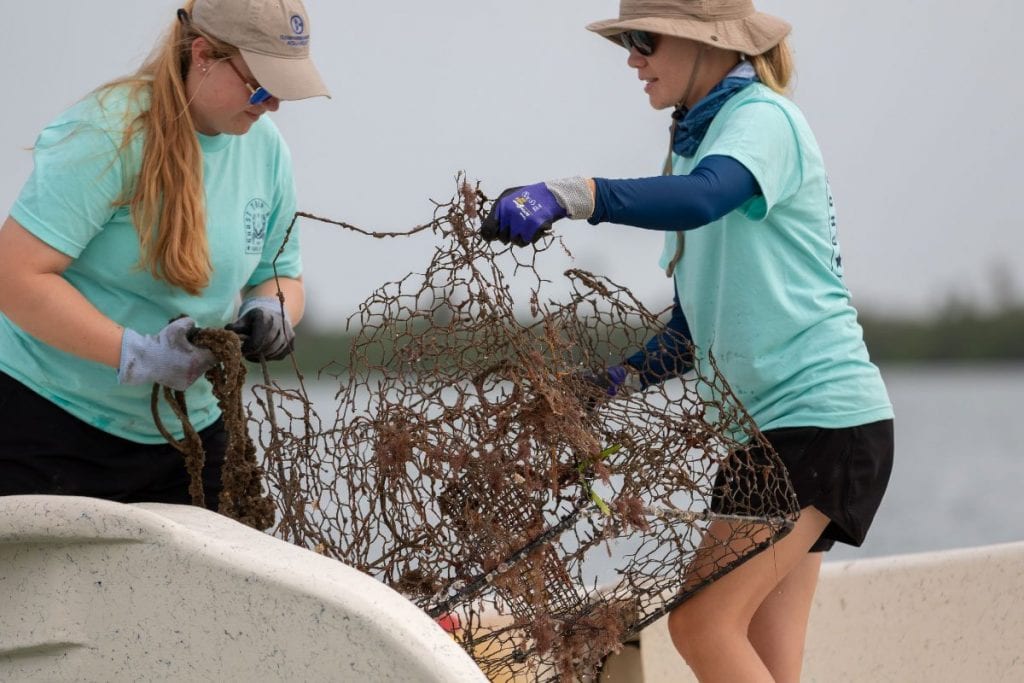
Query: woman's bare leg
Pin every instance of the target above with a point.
(778, 630)
(711, 629)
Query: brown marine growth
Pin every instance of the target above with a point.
(471, 465)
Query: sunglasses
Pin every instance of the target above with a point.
(643, 42)
(258, 94)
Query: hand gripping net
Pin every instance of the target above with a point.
(471, 466)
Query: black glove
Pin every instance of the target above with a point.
(265, 331)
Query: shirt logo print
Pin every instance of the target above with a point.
(833, 231)
(255, 219)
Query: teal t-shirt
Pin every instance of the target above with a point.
(69, 201)
(762, 287)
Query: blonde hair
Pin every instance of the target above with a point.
(167, 198)
(775, 67)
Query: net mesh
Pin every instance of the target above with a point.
(472, 463)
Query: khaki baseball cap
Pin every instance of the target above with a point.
(273, 37)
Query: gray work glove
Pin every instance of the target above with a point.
(266, 332)
(166, 358)
(574, 195)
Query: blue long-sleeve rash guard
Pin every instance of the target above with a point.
(667, 354)
(718, 185)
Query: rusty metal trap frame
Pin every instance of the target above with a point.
(474, 466)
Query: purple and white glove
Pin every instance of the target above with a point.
(166, 358)
(602, 386)
(265, 330)
(608, 382)
(521, 215)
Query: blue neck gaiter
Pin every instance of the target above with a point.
(691, 125)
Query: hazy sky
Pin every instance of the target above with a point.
(914, 104)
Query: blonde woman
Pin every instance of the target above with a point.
(752, 249)
(160, 197)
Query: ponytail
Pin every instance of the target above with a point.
(775, 67)
(167, 199)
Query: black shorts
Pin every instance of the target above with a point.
(842, 472)
(46, 450)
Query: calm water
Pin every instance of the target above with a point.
(958, 478)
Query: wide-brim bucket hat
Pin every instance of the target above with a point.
(273, 37)
(727, 24)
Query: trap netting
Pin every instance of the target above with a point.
(476, 465)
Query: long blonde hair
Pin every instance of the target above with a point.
(167, 198)
(775, 67)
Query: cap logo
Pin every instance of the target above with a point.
(297, 39)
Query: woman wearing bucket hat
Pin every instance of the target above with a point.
(758, 285)
(163, 194)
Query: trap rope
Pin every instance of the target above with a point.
(242, 497)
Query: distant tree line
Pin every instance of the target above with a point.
(953, 334)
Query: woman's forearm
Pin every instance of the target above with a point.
(36, 297)
(47, 307)
(676, 202)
